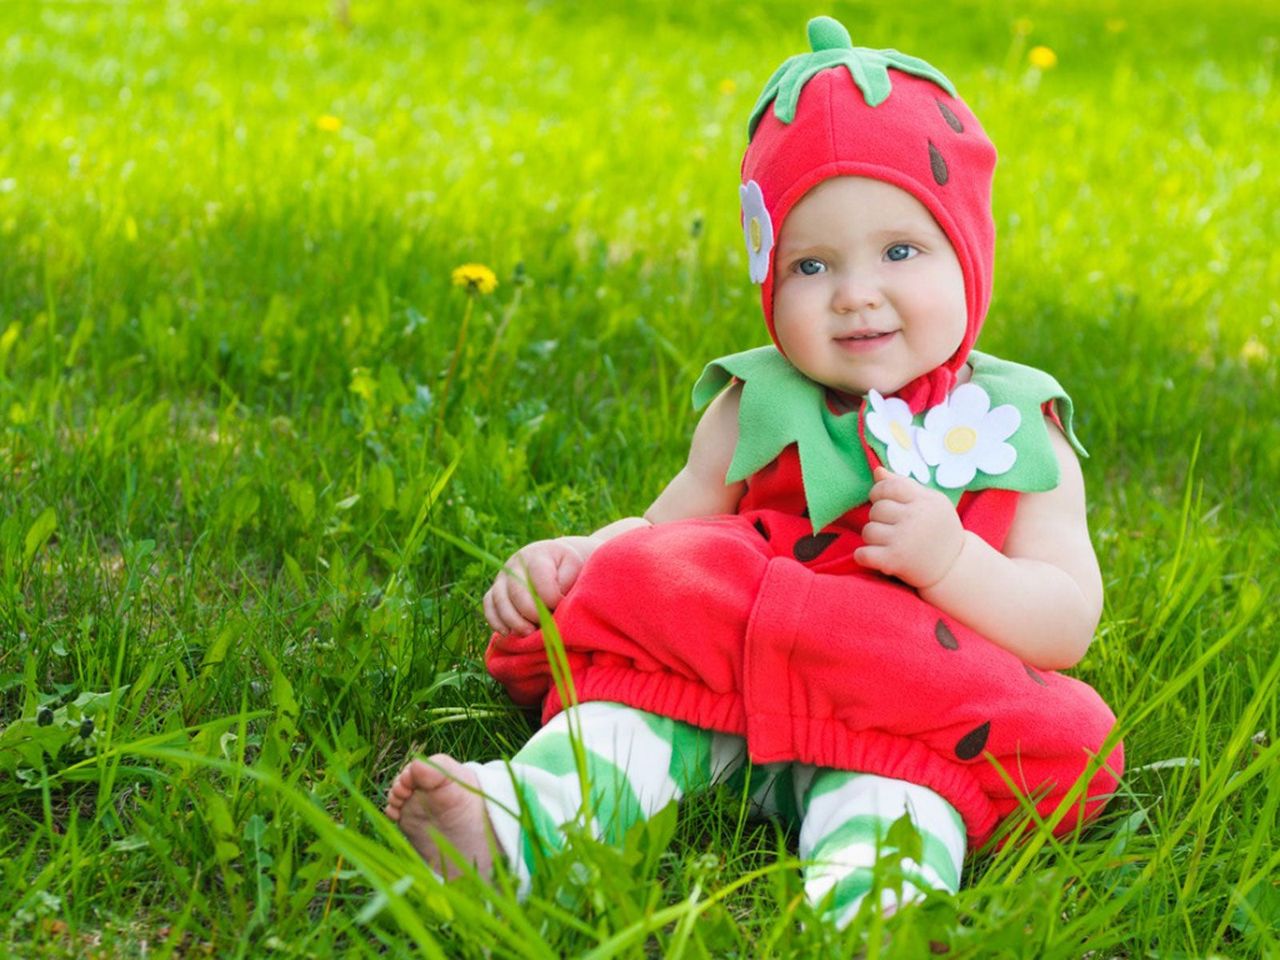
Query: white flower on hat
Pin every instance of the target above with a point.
(890, 422)
(757, 228)
(963, 435)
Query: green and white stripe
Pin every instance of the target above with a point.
(637, 763)
(847, 817)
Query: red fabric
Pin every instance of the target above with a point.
(716, 622)
(907, 141)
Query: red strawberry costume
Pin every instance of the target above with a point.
(761, 624)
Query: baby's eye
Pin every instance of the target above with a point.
(810, 266)
(901, 251)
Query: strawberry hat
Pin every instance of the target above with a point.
(851, 111)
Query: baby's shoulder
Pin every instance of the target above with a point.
(1047, 513)
(1052, 526)
(716, 434)
(722, 411)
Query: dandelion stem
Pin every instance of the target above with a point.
(453, 365)
(507, 315)
(333, 885)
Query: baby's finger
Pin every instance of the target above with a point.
(888, 511)
(871, 558)
(491, 615)
(877, 534)
(508, 614)
(567, 570)
(522, 599)
(504, 625)
(893, 487)
(542, 571)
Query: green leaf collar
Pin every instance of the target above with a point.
(781, 406)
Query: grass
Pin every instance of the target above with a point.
(229, 434)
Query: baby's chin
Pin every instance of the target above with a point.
(886, 387)
(856, 392)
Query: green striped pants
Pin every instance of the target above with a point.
(637, 763)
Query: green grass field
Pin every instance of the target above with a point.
(244, 439)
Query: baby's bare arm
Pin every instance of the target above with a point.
(699, 490)
(1042, 597)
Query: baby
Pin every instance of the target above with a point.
(863, 582)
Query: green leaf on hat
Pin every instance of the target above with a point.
(832, 47)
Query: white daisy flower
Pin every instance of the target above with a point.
(757, 229)
(890, 422)
(963, 435)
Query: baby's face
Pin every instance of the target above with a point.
(868, 292)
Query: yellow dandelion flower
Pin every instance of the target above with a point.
(1116, 25)
(476, 277)
(1022, 26)
(1042, 58)
(728, 87)
(1254, 351)
(328, 123)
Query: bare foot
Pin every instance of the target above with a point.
(435, 798)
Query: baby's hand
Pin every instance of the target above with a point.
(552, 565)
(913, 533)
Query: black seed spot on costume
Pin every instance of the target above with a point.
(945, 636)
(952, 120)
(971, 743)
(761, 528)
(805, 515)
(808, 548)
(938, 165)
(1035, 676)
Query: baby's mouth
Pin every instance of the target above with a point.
(864, 341)
(859, 336)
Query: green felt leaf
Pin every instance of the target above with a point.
(832, 47)
(780, 406)
(1026, 388)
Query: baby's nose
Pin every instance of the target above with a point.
(856, 292)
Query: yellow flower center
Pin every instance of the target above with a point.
(757, 235)
(960, 439)
(900, 435)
